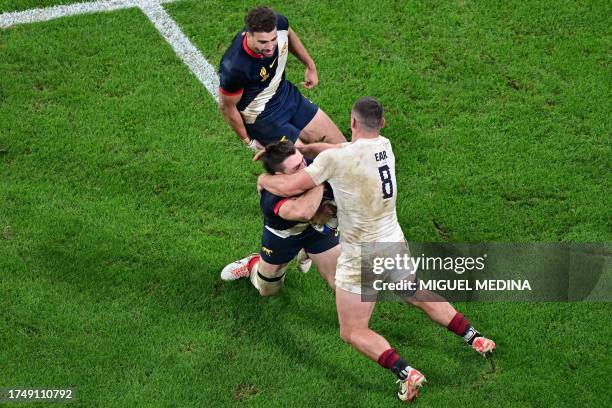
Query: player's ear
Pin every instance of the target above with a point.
(382, 122)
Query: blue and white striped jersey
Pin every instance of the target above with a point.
(260, 80)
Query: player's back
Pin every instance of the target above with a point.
(365, 191)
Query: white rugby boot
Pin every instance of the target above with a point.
(237, 269)
(410, 387)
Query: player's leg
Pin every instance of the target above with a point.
(354, 316)
(326, 264)
(324, 250)
(266, 270)
(321, 128)
(439, 309)
(434, 305)
(274, 128)
(275, 254)
(286, 122)
(268, 278)
(312, 123)
(443, 313)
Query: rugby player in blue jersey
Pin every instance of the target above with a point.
(256, 100)
(288, 228)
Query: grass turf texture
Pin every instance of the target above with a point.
(123, 193)
(21, 5)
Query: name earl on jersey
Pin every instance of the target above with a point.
(381, 155)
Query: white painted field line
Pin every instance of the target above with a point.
(183, 48)
(50, 13)
(167, 27)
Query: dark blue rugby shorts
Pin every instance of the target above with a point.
(277, 251)
(296, 112)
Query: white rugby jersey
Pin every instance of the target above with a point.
(362, 176)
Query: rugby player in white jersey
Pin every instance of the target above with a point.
(362, 176)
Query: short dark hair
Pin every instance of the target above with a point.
(260, 19)
(369, 112)
(276, 153)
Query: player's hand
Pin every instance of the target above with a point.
(255, 145)
(259, 186)
(324, 213)
(259, 154)
(311, 78)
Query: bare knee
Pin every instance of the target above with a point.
(270, 283)
(267, 289)
(321, 129)
(345, 334)
(267, 292)
(351, 333)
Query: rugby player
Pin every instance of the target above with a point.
(362, 176)
(255, 99)
(287, 228)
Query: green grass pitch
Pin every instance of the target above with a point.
(123, 193)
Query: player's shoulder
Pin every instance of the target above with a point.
(338, 151)
(281, 22)
(331, 153)
(234, 59)
(347, 147)
(384, 140)
(386, 144)
(366, 144)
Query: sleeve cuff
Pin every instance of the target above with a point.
(279, 205)
(228, 93)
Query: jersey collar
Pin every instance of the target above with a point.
(248, 50)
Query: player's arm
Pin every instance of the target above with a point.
(324, 213)
(296, 47)
(228, 107)
(322, 169)
(286, 185)
(312, 150)
(304, 207)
